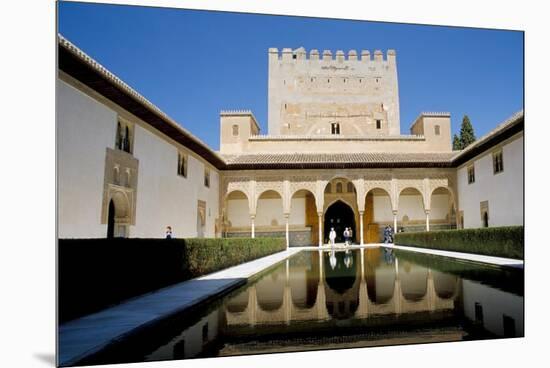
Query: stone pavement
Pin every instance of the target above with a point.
(84, 336)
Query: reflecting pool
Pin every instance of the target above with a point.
(341, 299)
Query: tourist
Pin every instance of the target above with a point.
(332, 236)
(346, 236)
(168, 232)
(386, 234)
(350, 236)
(390, 234)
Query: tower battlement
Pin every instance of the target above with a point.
(300, 54)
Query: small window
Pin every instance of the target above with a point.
(328, 188)
(335, 128)
(498, 165)
(182, 164)
(205, 333)
(478, 313)
(350, 187)
(437, 130)
(235, 130)
(378, 124)
(471, 174)
(207, 178)
(123, 140)
(338, 187)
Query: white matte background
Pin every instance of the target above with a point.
(27, 206)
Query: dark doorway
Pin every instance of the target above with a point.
(485, 219)
(111, 220)
(339, 216)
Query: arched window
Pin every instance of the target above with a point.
(378, 124)
(338, 187)
(116, 175)
(328, 188)
(437, 130)
(335, 128)
(350, 187)
(235, 130)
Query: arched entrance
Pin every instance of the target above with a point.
(339, 216)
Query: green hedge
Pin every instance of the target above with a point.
(506, 241)
(96, 273)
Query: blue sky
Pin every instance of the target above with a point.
(192, 64)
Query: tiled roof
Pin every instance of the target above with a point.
(371, 159)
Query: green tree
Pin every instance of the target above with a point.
(456, 143)
(467, 135)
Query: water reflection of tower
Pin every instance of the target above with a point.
(341, 284)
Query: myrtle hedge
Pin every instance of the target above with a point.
(505, 241)
(96, 273)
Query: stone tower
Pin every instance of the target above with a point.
(322, 95)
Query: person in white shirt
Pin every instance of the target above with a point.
(332, 236)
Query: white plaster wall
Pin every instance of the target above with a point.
(267, 209)
(412, 206)
(504, 190)
(495, 303)
(165, 198)
(85, 128)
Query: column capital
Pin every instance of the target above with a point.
(394, 212)
(287, 215)
(361, 213)
(320, 214)
(427, 212)
(252, 216)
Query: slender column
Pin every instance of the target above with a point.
(427, 220)
(252, 217)
(286, 230)
(320, 228)
(361, 219)
(394, 221)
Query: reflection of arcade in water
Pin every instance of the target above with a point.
(317, 298)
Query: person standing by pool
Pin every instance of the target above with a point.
(332, 236)
(350, 236)
(346, 236)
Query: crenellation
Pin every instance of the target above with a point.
(287, 54)
(290, 55)
(340, 56)
(327, 55)
(314, 54)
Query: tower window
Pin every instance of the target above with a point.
(338, 187)
(437, 130)
(235, 130)
(378, 124)
(335, 128)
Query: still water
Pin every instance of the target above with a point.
(341, 299)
